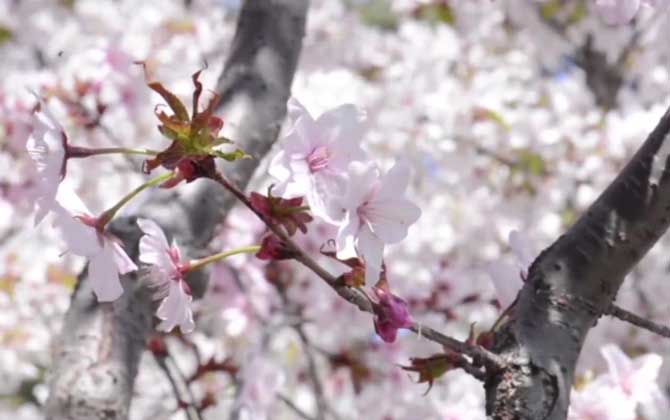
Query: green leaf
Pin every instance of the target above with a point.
(550, 9)
(5, 35)
(232, 156)
(437, 12)
(483, 114)
(580, 11)
(173, 101)
(430, 368)
(378, 13)
(532, 163)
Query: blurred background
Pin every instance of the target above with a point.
(514, 115)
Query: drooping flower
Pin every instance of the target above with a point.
(374, 213)
(315, 155)
(167, 275)
(391, 314)
(82, 235)
(508, 279)
(47, 146)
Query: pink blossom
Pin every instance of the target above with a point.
(107, 259)
(167, 276)
(636, 377)
(619, 12)
(600, 402)
(508, 279)
(617, 394)
(375, 213)
(316, 153)
(391, 314)
(47, 148)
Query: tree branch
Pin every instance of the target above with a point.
(637, 320)
(574, 281)
(98, 352)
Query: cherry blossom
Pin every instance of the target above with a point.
(617, 394)
(83, 237)
(618, 12)
(47, 147)
(600, 402)
(635, 377)
(167, 275)
(375, 213)
(315, 155)
(507, 279)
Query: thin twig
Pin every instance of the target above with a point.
(193, 403)
(479, 354)
(321, 407)
(173, 383)
(637, 320)
(294, 407)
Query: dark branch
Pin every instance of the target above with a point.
(637, 320)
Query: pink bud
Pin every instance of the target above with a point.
(272, 248)
(391, 314)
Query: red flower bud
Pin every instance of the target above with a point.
(391, 314)
(273, 248)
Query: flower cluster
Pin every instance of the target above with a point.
(83, 233)
(322, 160)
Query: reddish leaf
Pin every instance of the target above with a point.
(173, 101)
(430, 368)
(280, 211)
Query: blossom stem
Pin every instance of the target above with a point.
(83, 152)
(198, 264)
(109, 214)
(478, 353)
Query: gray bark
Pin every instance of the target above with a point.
(97, 354)
(572, 283)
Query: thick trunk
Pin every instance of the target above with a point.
(98, 352)
(574, 281)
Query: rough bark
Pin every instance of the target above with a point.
(97, 355)
(572, 283)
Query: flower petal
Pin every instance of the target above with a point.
(79, 238)
(506, 281)
(371, 248)
(390, 219)
(176, 309)
(123, 262)
(363, 179)
(103, 273)
(617, 12)
(520, 245)
(154, 247)
(346, 236)
(395, 181)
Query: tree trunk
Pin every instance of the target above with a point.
(98, 352)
